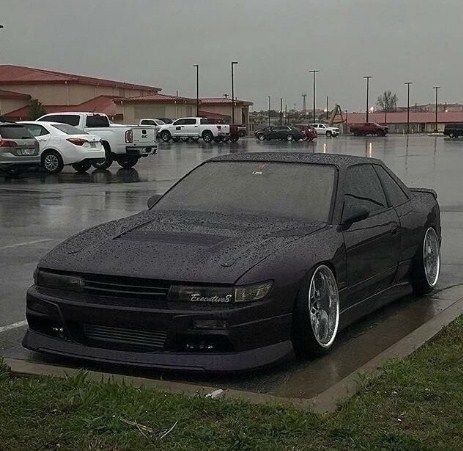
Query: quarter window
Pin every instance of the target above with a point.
(394, 192)
(363, 189)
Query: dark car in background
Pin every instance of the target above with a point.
(245, 260)
(368, 128)
(282, 132)
(453, 130)
(18, 148)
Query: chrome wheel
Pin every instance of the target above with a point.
(52, 162)
(431, 256)
(323, 301)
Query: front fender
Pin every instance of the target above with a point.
(288, 268)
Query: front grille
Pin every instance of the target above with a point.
(126, 287)
(120, 336)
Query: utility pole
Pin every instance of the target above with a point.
(286, 113)
(367, 78)
(327, 108)
(304, 105)
(408, 83)
(436, 88)
(314, 72)
(197, 89)
(281, 110)
(268, 111)
(233, 91)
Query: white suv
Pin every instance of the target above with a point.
(323, 129)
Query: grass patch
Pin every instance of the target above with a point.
(416, 403)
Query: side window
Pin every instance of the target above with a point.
(204, 121)
(393, 190)
(147, 122)
(179, 122)
(93, 121)
(36, 130)
(51, 118)
(363, 189)
(190, 121)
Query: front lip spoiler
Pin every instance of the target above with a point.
(186, 362)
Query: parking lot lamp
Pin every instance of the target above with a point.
(281, 110)
(197, 88)
(367, 78)
(408, 83)
(233, 91)
(314, 72)
(436, 88)
(268, 111)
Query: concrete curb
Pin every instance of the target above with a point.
(325, 402)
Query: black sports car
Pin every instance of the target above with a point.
(283, 132)
(246, 259)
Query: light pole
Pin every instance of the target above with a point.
(314, 72)
(197, 88)
(281, 110)
(408, 83)
(268, 111)
(304, 105)
(436, 88)
(233, 91)
(327, 108)
(367, 78)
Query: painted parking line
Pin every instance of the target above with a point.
(13, 326)
(26, 243)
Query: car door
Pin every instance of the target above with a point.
(177, 128)
(41, 134)
(372, 244)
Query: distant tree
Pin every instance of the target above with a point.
(36, 109)
(387, 101)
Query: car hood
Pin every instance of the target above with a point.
(184, 246)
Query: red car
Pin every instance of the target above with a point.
(309, 132)
(368, 128)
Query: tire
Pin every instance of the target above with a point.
(176, 140)
(328, 134)
(316, 313)
(52, 162)
(234, 139)
(127, 162)
(261, 137)
(208, 137)
(165, 136)
(290, 138)
(218, 139)
(82, 166)
(108, 160)
(452, 135)
(426, 268)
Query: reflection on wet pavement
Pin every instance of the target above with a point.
(44, 209)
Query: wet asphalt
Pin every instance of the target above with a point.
(37, 211)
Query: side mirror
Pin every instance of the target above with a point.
(153, 200)
(355, 214)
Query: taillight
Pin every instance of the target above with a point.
(77, 141)
(8, 143)
(129, 136)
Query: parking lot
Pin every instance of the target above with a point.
(37, 211)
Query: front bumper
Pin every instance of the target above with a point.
(57, 326)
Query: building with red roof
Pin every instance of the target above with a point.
(121, 101)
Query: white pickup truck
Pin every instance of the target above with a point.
(323, 129)
(194, 128)
(122, 143)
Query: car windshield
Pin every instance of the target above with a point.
(69, 129)
(289, 190)
(14, 131)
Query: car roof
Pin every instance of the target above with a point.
(299, 157)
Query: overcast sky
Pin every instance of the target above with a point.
(275, 42)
